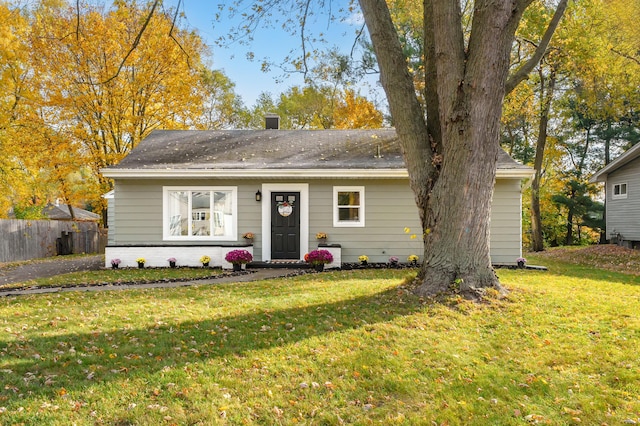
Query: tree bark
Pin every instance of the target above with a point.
(451, 161)
(451, 156)
(537, 240)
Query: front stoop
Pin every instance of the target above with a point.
(280, 264)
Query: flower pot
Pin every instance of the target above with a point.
(237, 267)
(140, 265)
(322, 241)
(205, 264)
(114, 266)
(521, 264)
(364, 263)
(319, 267)
(172, 264)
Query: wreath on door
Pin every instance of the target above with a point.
(285, 208)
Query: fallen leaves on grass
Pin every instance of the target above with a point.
(609, 257)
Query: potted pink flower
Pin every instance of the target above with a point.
(319, 258)
(238, 258)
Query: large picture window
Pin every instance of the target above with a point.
(200, 213)
(348, 206)
(619, 191)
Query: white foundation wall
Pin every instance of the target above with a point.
(156, 257)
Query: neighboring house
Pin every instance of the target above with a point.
(622, 190)
(185, 194)
(58, 211)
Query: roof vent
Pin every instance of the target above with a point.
(272, 121)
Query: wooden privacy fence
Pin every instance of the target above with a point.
(31, 239)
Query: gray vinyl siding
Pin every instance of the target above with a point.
(389, 209)
(138, 211)
(111, 226)
(623, 215)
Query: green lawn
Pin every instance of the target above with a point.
(116, 276)
(347, 347)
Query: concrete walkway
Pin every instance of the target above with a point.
(59, 266)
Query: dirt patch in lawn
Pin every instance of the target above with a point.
(609, 257)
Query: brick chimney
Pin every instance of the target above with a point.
(272, 121)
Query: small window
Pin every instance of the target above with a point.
(348, 204)
(619, 191)
(200, 213)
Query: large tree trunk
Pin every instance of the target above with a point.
(452, 160)
(451, 156)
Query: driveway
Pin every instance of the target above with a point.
(49, 268)
(63, 265)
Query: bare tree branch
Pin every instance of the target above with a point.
(304, 47)
(173, 25)
(77, 20)
(135, 42)
(521, 73)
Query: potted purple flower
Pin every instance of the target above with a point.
(319, 258)
(115, 263)
(238, 258)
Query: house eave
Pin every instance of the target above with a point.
(523, 173)
(627, 157)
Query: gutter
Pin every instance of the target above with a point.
(520, 173)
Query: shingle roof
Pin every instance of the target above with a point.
(272, 149)
(61, 212)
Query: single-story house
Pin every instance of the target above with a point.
(622, 191)
(185, 194)
(58, 211)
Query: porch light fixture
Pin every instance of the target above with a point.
(258, 196)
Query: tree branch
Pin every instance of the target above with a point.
(626, 56)
(135, 42)
(173, 25)
(521, 73)
(77, 20)
(304, 46)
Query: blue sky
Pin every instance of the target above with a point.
(275, 44)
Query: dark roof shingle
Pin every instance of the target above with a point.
(272, 149)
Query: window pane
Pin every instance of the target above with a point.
(178, 213)
(623, 188)
(616, 189)
(349, 214)
(349, 198)
(201, 213)
(222, 213)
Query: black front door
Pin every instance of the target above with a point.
(285, 225)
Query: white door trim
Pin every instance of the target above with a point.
(303, 205)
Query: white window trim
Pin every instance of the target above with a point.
(615, 196)
(166, 236)
(336, 218)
